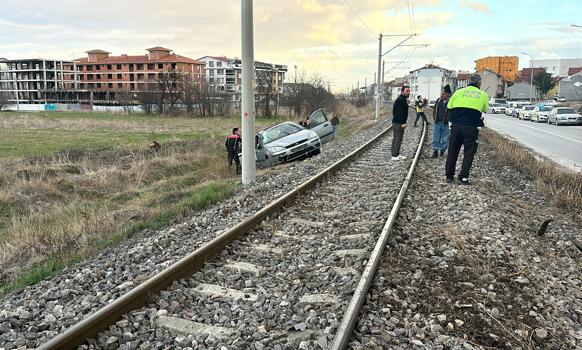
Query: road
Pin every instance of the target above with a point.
(562, 144)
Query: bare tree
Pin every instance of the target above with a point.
(265, 90)
(149, 97)
(125, 99)
(4, 100)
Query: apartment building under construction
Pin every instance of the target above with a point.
(32, 80)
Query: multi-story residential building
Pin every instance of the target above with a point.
(101, 72)
(429, 80)
(30, 80)
(557, 67)
(506, 66)
(224, 75)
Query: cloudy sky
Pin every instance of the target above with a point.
(319, 36)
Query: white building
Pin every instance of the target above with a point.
(558, 67)
(224, 74)
(429, 80)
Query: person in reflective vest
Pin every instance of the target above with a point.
(466, 108)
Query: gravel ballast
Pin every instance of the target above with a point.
(466, 269)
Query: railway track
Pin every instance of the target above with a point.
(295, 274)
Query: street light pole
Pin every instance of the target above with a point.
(248, 95)
(531, 75)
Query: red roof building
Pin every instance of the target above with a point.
(525, 75)
(101, 72)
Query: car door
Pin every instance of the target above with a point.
(321, 126)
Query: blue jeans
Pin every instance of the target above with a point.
(440, 136)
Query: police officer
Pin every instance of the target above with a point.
(465, 115)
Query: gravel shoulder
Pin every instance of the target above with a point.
(466, 268)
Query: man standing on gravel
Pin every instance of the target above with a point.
(465, 114)
(399, 118)
(419, 105)
(440, 116)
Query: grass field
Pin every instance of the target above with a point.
(74, 183)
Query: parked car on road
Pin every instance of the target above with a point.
(525, 112)
(289, 141)
(496, 108)
(559, 99)
(540, 114)
(564, 115)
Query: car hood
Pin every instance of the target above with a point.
(288, 140)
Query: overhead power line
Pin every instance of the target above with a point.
(360, 18)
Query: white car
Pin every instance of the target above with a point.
(564, 115)
(525, 112)
(540, 114)
(496, 108)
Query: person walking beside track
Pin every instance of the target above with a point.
(465, 114)
(399, 118)
(335, 122)
(440, 116)
(419, 104)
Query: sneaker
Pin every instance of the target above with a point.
(396, 158)
(464, 181)
(450, 180)
(441, 154)
(434, 154)
(401, 157)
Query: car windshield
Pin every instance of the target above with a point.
(528, 108)
(279, 131)
(545, 109)
(566, 111)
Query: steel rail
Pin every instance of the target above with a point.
(187, 266)
(346, 327)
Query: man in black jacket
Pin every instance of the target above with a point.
(233, 145)
(399, 118)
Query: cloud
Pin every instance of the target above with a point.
(476, 5)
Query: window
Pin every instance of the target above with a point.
(220, 71)
(109, 67)
(97, 67)
(219, 64)
(119, 66)
(81, 77)
(151, 66)
(317, 118)
(140, 67)
(119, 76)
(211, 72)
(160, 66)
(110, 85)
(140, 76)
(132, 86)
(211, 64)
(119, 85)
(81, 86)
(98, 85)
(90, 85)
(90, 68)
(98, 76)
(109, 76)
(151, 76)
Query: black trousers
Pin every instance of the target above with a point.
(233, 156)
(466, 136)
(397, 139)
(418, 115)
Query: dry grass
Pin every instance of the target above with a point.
(561, 185)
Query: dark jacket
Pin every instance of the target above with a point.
(400, 110)
(335, 120)
(233, 144)
(437, 109)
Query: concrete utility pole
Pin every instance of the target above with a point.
(530, 76)
(295, 73)
(379, 78)
(380, 55)
(248, 96)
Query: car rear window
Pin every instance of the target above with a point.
(566, 111)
